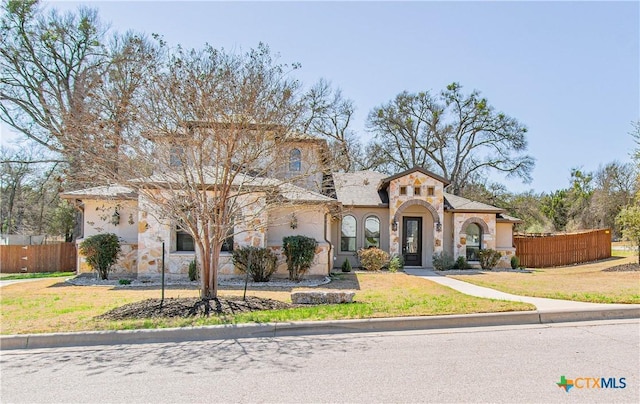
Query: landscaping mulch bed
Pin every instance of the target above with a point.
(623, 268)
(192, 307)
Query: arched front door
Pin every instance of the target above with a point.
(412, 241)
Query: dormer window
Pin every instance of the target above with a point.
(295, 159)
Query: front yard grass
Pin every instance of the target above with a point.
(585, 283)
(33, 275)
(50, 305)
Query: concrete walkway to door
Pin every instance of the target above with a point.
(542, 304)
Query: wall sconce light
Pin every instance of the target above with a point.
(438, 226)
(115, 218)
(394, 225)
(294, 221)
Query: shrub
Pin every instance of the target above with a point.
(259, 263)
(461, 263)
(101, 252)
(396, 264)
(373, 259)
(193, 271)
(442, 261)
(515, 262)
(124, 281)
(346, 266)
(300, 252)
(488, 258)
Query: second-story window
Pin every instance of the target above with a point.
(176, 154)
(295, 160)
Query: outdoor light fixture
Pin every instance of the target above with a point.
(115, 218)
(394, 225)
(294, 221)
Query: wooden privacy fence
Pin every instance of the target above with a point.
(38, 258)
(563, 249)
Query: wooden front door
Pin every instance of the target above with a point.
(412, 241)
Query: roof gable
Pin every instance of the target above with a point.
(385, 181)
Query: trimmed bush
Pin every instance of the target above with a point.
(101, 252)
(193, 271)
(259, 263)
(396, 264)
(461, 263)
(300, 252)
(442, 261)
(488, 258)
(515, 262)
(346, 266)
(373, 259)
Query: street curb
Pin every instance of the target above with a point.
(301, 328)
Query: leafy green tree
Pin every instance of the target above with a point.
(460, 136)
(555, 207)
(629, 220)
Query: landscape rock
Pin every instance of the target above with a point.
(322, 297)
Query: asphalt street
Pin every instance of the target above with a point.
(483, 364)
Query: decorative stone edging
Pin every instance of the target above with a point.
(137, 283)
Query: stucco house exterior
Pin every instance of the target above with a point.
(408, 214)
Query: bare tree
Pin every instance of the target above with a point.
(614, 188)
(460, 136)
(50, 64)
(635, 134)
(329, 116)
(29, 185)
(212, 131)
(12, 177)
(66, 86)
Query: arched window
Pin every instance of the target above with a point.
(348, 234)
(474, 241)
(295, 158)
(372, 232)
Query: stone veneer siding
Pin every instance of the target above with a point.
(396, 202)
(487, 222)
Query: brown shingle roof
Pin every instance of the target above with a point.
(460, 204)
(359, 188)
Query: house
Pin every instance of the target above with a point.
(408, 214)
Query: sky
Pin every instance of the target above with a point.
(569, 71)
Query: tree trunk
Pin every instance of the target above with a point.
(209, 271)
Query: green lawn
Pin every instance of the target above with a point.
(33, 275)
(50, 305)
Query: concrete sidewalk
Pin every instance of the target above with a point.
(542, 304)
